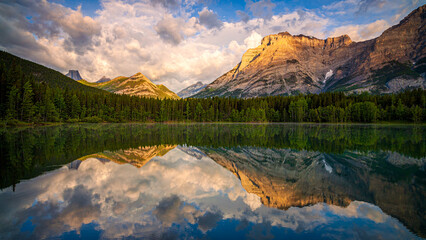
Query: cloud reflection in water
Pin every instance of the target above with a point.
(173, 196)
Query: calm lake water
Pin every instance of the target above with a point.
(213, 181)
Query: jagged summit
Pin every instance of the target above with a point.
(285, 64)
(74, 74)
(103, 79)
(135, 85)
(191, 90)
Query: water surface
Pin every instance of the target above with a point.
(213, 181)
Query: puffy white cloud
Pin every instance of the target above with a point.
(362, 32)
(164, 39)
(176, 188)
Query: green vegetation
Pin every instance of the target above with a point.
(32, 93)
(28, 152)
(392, 70)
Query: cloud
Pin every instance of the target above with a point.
(169, 29)
(169, 45)
(243, 16)
(261, 9)
(209, 220)
(209, 19)
(172, 210)
(173, 42)
(54, 21)
(170, 4)
(340, 5)
(362, 32)
(365, 5)
(77, 208)
(175, 193)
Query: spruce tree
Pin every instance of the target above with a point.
(27, 108)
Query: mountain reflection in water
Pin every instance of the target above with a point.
(296, 188)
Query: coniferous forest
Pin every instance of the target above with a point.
(33, 93)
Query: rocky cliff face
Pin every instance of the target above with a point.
(136, 85)
(285, 178)
(285, 64)
(191, 90)
(74, 74)
(137, 157)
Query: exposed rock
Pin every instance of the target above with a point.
(191, 90)
(136, 85)
(285, 178)
(74, 74)
(137, 157)
(284, 64)
(103, 79)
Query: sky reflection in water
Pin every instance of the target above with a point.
(189, 192)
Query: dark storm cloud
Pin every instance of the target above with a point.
(209, 19)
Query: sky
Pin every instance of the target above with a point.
(176, 42)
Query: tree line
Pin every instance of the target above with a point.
(28, 152)
(24, 97)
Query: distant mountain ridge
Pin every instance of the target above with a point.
(191, 90)
(286, 65)
(74, 74)
(103, 79)
(136, 85)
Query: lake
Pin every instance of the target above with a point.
(213, 181)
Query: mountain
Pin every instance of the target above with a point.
(136, 85)
(285, 178)
(74, 74)
(103, 79)
(44, 74)
(137, 157)
(191, 90)
(285, 64)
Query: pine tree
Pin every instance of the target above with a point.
(75, 107)
(27, 108)
(11, 112)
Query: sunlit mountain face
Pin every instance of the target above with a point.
(213, 181)
(178, 43)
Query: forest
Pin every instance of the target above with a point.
(32, 93)
(28, 152)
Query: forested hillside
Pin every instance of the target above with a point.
(32, 93)
(41, 73)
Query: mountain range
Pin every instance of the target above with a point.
(285, 64)
(191, 90)
(136, 85)
(285, 178)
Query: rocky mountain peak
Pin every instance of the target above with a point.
(103, 79)
(138, 76)
(74, 74)
(335, 42)
(191, 90)
(285, 64)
